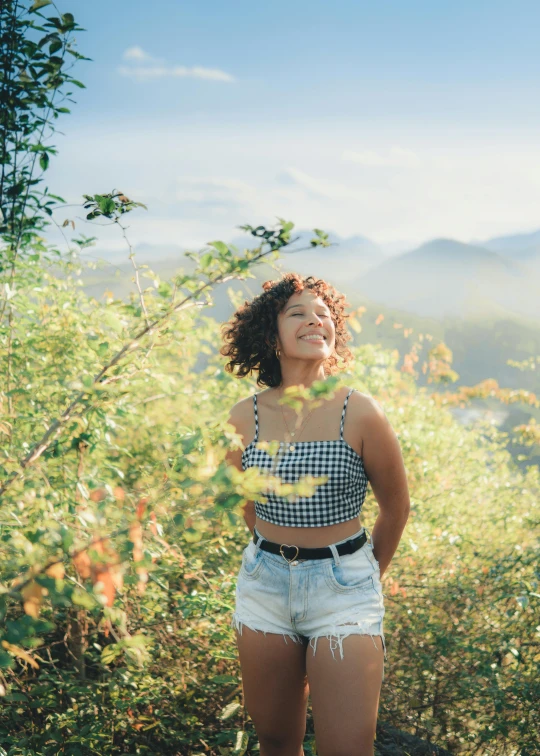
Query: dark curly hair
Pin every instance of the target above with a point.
(251, 332)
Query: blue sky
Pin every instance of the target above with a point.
(401, 121)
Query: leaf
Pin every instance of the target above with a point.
(230, 710)
(242, 740)
(220, 246)
(82, 598)
(39, 4)
(82, 564)
(113, 321)
(110, 653)
(56, 571)
(20, 653)
(191, 535)
(44, 161)
(103, 581)
(206, 259)
(16, 696)
(32, 594)
(223, 679)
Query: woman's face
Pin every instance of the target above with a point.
(306, 314)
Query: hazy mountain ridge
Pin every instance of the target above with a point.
(523, 248)
(448, 278)
(442, 277)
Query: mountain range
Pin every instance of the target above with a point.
(495, 278)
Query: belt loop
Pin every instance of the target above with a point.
(335, 553)
(259, 538)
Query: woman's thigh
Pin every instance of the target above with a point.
(275, 685)
(345, 694)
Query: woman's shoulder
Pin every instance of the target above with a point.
(241, 414)
(360, 399)
(365, 409)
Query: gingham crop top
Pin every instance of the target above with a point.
(339, 499)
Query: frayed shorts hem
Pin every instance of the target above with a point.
(336, 633)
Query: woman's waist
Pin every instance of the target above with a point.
(314, 537)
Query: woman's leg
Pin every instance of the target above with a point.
(345, 694)
(275, 690)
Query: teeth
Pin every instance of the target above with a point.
(313, 338)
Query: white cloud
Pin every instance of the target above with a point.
(175, 72)
(395, 157)
(137, 54)
(196, 189)
(326, 188)
(147, 67)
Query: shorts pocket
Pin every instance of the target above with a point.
(350, 575)
(252, 561)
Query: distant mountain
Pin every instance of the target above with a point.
(346, 257)
(440, 278)
(447, 278)
(523, 248)
(513, 242)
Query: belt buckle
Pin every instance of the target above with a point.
(289, 547)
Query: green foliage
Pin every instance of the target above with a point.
(32, 77)
(140, 464)
(121, 520)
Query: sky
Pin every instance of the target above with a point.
(398, 120)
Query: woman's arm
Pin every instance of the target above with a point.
(237, 418)
(249, 515)
(385, 469)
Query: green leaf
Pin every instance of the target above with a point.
(191, 535)
(39, 4)
(16, 697)
(206, 259)
(6, 661)
(223, 679)
(83, 598)
(164, 289)
(113, 321)
(110, 653)
(220, 246)
(241, 744)
(229, 710)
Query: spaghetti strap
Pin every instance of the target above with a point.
(256, 417)
(343, 413)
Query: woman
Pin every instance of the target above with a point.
(310, 582)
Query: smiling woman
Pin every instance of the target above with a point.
(310, 574)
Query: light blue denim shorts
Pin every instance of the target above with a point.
(305, 599)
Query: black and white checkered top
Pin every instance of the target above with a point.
(339, 499)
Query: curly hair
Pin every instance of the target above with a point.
(252, 331)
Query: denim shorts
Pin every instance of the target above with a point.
(306, 599)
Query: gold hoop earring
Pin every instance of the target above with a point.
(278, 353)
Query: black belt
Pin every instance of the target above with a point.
(303, 552)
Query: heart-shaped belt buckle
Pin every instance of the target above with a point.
(288, 547)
